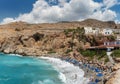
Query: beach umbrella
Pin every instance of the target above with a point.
(92, 83)
(92, 68)
(67, 59)
(99, 75)
(97, 70)
(74, 61)
(97, 80)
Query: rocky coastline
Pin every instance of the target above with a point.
(47, 40)
(107, 74)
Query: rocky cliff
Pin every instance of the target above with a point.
(37, 39)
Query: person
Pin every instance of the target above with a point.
(91, 79)
(75, 76)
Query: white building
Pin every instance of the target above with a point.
(118, 37)
(107, 31)
(97, 31)
(90, 30)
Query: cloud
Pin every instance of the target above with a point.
(110, 3)
(73, 10)
(106, 15)
(8, 20)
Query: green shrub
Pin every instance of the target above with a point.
(101, 53)
(116, 53)
(111, 37)
(51, 51)
(68, 51)
(91, 53)
(88, 53)
(106, 60)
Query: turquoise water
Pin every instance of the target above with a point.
(26, 70)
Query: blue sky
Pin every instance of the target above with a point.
(12, 8)
(58, 10)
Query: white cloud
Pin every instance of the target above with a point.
(8, 20)
(64, 11)
(106, 15)
(110, 3)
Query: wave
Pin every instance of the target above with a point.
(68, 73)
(16, 55)
(46, 81)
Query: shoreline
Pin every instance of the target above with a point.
(85, 68)
(89, 71)
(73, 74)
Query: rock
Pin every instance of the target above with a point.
(115, 78)
(116, 67)
(37, 36)
(117, 59)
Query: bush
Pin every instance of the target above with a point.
(101, 53)
(67, 31)
(91, 53)
(51, 51)
(116, 53)
(38, 36)
(111, 38)
(88, 53)
(68, 51)
(106, 60)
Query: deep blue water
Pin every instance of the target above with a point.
(26, 70)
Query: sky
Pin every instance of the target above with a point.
(47, 11)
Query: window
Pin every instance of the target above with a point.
(105, 32)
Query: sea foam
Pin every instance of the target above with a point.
(69, 73)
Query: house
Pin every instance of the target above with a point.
(88, 30)
(118, 37)
(116, 31)
(91, 31)
(98, 31)
(113, 43)
(107, 31)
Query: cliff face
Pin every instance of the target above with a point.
(39, 39)
(29, 40)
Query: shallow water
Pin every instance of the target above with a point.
(70, 74)
(15, 69)
(27, 70)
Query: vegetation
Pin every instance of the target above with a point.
(68, 51)
(106, 59)
(38, 36)
(111, 38)
(51, 51)
(88, 53)
(91, 53)
(101, 54)
(77, 33)
(116, 53)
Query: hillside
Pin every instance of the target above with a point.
(63, 24)
(46, 36)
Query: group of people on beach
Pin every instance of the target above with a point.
(96, 71)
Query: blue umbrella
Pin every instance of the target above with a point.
(67, 59)
(92, 83)
(97, 80)
(97, 70)
(73, 61)
(99, 75)
(92, 68)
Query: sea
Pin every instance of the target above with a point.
(16, 69)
